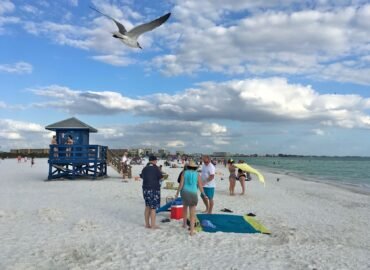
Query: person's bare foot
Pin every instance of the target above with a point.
(155, 227)
(205, 211)
(191, 233)
(147, 226)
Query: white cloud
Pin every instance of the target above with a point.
(264, 42)
(3, 105)
(95, 35)
(87, 102)
(115, 60)
(17, 68)
(237, 37)
(10, 135)
(19, 126)
(261, 100)
(343, 72)
(220, 142)
(171, 134)
(19, 134)
(6, 6)
(18, 130)
(7, 20)
(176, 143)
(31, 9)
(110, 133)
(250, 100)
(74, 2)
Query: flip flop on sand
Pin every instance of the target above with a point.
(251, 215)
(165, 220)
(226, 210)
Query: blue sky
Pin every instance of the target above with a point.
(239, 76)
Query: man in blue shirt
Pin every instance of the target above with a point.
(151, 176)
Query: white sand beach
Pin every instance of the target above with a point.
(99, 224)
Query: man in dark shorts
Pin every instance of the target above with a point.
(151, 191)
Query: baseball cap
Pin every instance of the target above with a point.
(152, 158)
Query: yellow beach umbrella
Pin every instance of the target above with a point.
(245, 167)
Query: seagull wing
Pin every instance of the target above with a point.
(120, 26)
(140, 29)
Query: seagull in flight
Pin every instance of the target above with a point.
(130, 37)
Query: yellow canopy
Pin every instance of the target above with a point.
(245, 167)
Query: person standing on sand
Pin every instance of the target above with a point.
(189, 184)
(124, 163)
(232, 176)
(241, 177)
(151, 176)
(209, 183)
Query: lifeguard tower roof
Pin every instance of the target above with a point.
(70, 123)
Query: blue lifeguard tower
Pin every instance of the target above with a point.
(77, 160)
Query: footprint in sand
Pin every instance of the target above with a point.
(50, 215)
(85, 225)
(7, 215)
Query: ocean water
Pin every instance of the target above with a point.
(350, 171)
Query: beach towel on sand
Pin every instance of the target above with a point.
(230, 223)
(167, 206)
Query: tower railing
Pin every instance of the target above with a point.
(71, 161)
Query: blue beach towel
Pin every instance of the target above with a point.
(167, 206)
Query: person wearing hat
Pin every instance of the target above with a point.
(232, 176)
(189, 184)
(151, 176)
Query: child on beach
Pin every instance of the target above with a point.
(189, 184)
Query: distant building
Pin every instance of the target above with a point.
(179, 153)
(119, 152)
(163, 152)
(29, 151)
(133, 152)
(148, 151)
(220, 154)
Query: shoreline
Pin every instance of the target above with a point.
(360, 188)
